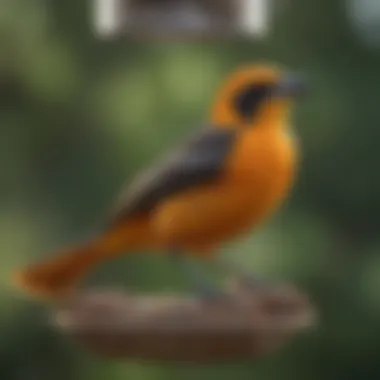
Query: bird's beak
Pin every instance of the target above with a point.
(291, 85)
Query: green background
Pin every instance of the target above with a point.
(79, 116)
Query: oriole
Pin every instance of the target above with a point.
(216, 186)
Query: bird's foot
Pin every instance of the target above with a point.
(203, 286)
(248, 280)
(252, 281)
(211, 294)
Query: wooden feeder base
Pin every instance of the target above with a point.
(247, 323)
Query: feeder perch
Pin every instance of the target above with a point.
(246, 323)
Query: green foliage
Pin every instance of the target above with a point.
(78, 117)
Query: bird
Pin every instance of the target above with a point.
(216, 186)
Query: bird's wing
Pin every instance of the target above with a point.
(199, 160)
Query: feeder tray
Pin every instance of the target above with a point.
(246, 323)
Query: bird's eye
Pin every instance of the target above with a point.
(249, 100)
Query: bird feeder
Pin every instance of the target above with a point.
(182, 19)
(246, 323)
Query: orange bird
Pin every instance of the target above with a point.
(216, 186)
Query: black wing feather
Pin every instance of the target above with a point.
(199, 160)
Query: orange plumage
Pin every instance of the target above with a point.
(217, 186)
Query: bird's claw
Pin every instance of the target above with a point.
(212, 294)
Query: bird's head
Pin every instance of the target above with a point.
(257, 95)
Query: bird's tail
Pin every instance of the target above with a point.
(58, 276)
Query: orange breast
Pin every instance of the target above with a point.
(263, 165)
(257, 177)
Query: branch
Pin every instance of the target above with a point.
(247, 323)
